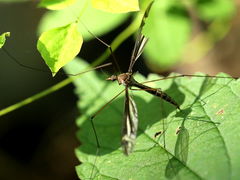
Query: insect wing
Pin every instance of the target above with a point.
(138, 49)
(141, 46)
(140, 41)
(130, 124)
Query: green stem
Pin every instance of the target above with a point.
(35, 97)
(41, 94)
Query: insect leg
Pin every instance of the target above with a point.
(94, 128)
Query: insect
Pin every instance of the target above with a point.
(130, 124)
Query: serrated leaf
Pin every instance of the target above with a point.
(207, 147)
(116, 6)
(56, 4)
(168, 28)
(59, 46)
(98, 22)
(3, 38)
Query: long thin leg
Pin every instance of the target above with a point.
(94, 128)
(19, 63)
(105, 44)
(187, 75)
(92, 117)
(47, 71)
(163, 126)
(109, 102)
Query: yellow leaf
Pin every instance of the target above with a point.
(56, 4)
(116, 6)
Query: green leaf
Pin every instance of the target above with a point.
(98, 22)
(215, 9)
(56, 4)
(116, 6)
(3, 38)
(206, 146)
(168, 28)
(59, 46)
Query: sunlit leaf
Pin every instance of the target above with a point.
(116, 6)
(59, 46)
(56, 4)
(98, 22)
(3, 38)
(209, 112)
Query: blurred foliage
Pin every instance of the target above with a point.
(15, 1)
(215, 10)
(169, 26)
(175, 27)
(98, 22)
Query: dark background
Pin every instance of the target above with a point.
(37, 141)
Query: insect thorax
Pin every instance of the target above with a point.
(124, 78)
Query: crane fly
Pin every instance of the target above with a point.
(130, 122)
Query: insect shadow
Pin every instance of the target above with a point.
(181, 149)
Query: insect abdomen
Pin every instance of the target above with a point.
(156, 92)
